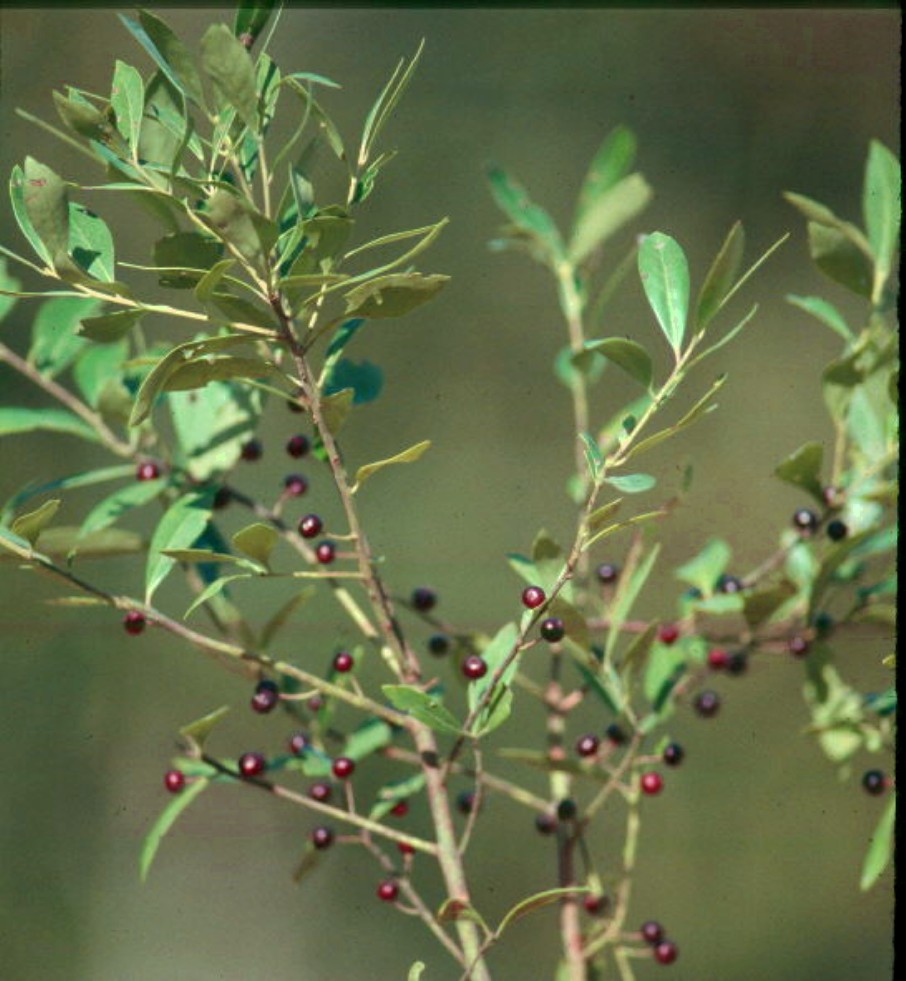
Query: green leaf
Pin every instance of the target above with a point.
(250, 20)
(600, 516)
(166, 820)
(803, 469)
(206, 286)
(881, 848)
(627, 592)
(108, 511)
(530, 218)
(705, 569)
(198, 372)
(196, 733)
(820, 215)
(593, 457)
(367, 739)
(213, 589)
(169, 53)
(393, 295)
(365, 379)
(459, 909)
(881, 207)
(821, 310)
(55, 344)
(16, 420)
(759, 606)
(664, 272)
(109, 327)
(547, 563)
(720, 277)
(257, 540)
(91, 243)
(270, 630)
(428, 709)
(237, 223)
(180, 526)
(635, 483)
(666, 665)
(186, 260)
(229, 66)
(336, 408)
(610, 165)
(537, 901)
(47, 207)
(82, 117)
(406, 456)
(96, 366)
(626, 354)
(839, 259)
(128, 101)
(29, 526)
(17, 199)
(386, 102)
(60, 542)
(494, 655)
(415, 972)
(609, 212)
(592, 678)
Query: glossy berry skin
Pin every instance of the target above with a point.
(439, 644)
(343, 662)
(174, 781)
(552, 629)
(545, 824)
(298, 743)
(298, 446)
(652, 932)
(474, 667)
(737, 663)
(296, 485)
(587, 745)
(728, 584)
(424, 599)
(315, 704)
(805, 521)
(533, 597)
(666, 952)
(400, 808)
(615, 734)
(607, 573)
(673, 754)
(567, 809)
(595, 905)
(252, 764)
(251, 451)
(326, 552)
(311, 526)
(465, 802)
(707, 703)
(343, 767)
(388, 891)
(798, 646)
(134, 622)
(718, 658)
(837, 530)
(320, 791)
(668, 633)
(874, 782)
(149, 470)
(267, 684)
(652, 783)
(264, 700)
(321, 838)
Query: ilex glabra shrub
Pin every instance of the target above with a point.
(270, 283)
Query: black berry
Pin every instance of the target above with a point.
(322, 838)
(805, 521)
(343, 662)
(728, 584)
(251, 451)
(388, 891)
(149, 470)
(707, 703)
(474, 667)
(837, 530)
(326, 552)
(424, 599)
(296, 485)
(673, 754)
(738, 663)
(310, 526)
(343, 767)
(267, 684)
(222, 497)
(134, 622)
(874, 782)
(533, 597)
(607, 573)
(616, 734)
(587, 745)
(552, 629)
(567, 809)
(652, 783)
(465, 802)
(298, 446)
(439, 644)
(174, 781)
(252, 764)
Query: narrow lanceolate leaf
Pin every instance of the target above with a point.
(29, 526)
(803, 469)
(422, 706)
(180, 526)
(213, 589)
(386, 102)
(198, 372)
(257, 540)
(495, 655)
(250, 20)
(228, 64)
(15, 420)
(235, 221)
(537, 901)
(195, 734)
(47, 207)
(720, 277)
(626, 354)
(166, 820)
(820, 214)
(529, 218)
(86, 478)
(55, 343)
(128, 101)
(109, 327)
(664, 272)
(882, 206)
(634, 483)
(112, 508)
(407, 456)
(607, 214)
(627, 593)
(600, 516)
(393, 295)
(881, 847)
(823, 311)
(593, 456)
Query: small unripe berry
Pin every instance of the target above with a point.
(567, 809)
(798, 645)
(533, 597)
(805, 521)
(310, 526)
(343, 662)
(134, 622)
(252, 764)
(465, 802)
(595, 905)
(718, 658)
(607, 573)
(652, 783)
(149, 470)
(666, 952)
(668, 633)
(296, 485)
(320, 791)
(616, 734)
(298, 446)
(326, 552)
(388, 891)
(874, 782)
(707, 703)
(652, 932)
(251, 451)
(343, 767)
(298, 743)
(264, 700)
(545, 824)
(552, 629)
(424, 599)
(673, 754)
(587, 745)
(474, 667)
(174, 781)
(322, 838)
(439, 644)
(837, 530)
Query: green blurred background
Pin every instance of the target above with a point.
(751, 856)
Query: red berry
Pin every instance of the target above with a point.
(595, 905)
(707, 703)
(251, 451)
(388, 891)
(424, 599)
(343, 662)
(533, 597)
(326, 552)
(310, 526)
(668, 633)
(552, 629)
(296, 485)
(405, 847)
(607, 573)
(343, 767)
(174, 781)
(265, 700)
(652, 783)
(315, 703)
(321, 838)
(666, 952)
(587, 745)
(252, 764)
(652, 931)
(718, 658)
(320, 791)
(400, 809)
(134, 622)
(298, 743)
(474, 667)
(673, 754)
(798, 646)
(298, 446)
(149, 470)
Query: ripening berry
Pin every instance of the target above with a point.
(552, 629)
(310, 526)
(424, 599)
(320, 791)
(707, 703)
(652, 783)
(298, 743)
(321, 838)
(673, 754)
(343, 662)
(439, 644)
(607, 573)
(874, 782)
(343, 767)
(326, 552)
(296, 485)
(533, 597)
(545, 824)
(805, 521)
(798, 645)
(251, 451)
(297, 446)
(652, 932)
(837, 530)
(668, 633)
(595, 905)
(587, 745)
(400, 808)
(718, 658)
(149, 470)
(474, 667)
(388, 891)
(174, 781)
(134, 622)
(315, 703)
(252, 764)
(265, 700)
(666, 952)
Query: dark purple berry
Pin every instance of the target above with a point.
(474, 667)
(652, 932)
(533, 597)
(545, 824)
(265, 700)
(567, 809)
(315, 703)
(439, 644)
(174, 781)
(298, 446)
(222, 497)
(322, 838)
(607, 573)
(149, 470)
(673, 754)
(252, 764)
(798, 645)
(251, 451)
(728, 584)
(707, 703)
(296, 485)
(874, 782)
(615, 734)
(465, 801)
(343, 767)
(668, 633)
(424, 599)
(388, 891)
(310, 526)
(298, 743)
(343, 662)
(267, 684)
(738, 663)
(587, 745)
(134, 622)
(666, 952)
(837, 530)
(652, 783)
(805, 521)
(552, 629)
(320, 791)
(326, 552)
